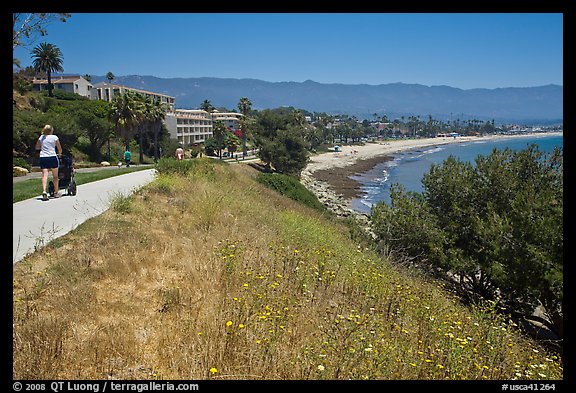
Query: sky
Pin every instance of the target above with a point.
(463, 50)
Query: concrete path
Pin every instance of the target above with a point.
(37, 222)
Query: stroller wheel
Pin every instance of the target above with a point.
(51, 188)
(72, 188)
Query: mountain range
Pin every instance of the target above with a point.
(540, 104)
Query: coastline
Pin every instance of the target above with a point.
(327, 175)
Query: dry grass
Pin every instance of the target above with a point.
(212, 276)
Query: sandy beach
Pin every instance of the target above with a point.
(328, 174)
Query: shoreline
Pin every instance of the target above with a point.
(327, 175)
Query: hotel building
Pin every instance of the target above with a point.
(189, 126)
(194, 126)
(107, 92)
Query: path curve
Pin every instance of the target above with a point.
(36, 222)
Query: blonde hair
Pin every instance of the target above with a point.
(47, 130)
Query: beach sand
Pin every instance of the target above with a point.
(335, 168)
(329, 173)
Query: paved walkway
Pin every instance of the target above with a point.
(37, 222)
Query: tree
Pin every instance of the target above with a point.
(91, 118)
(110, 76)
(26, 26)
(47, 58)
(496, 226)
(124, 114)
(245, 105)
(145, 109)
(207, 106)
(231, 141)
(286, 152)
(211, 145)
(219, 132)
(158, 114)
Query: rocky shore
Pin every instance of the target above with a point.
(334, 187)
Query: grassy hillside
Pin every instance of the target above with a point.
(208, 274)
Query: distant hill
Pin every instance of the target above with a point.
(541, 103)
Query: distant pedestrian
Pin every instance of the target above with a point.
(179, 153)
(127, 156)
(50, 149)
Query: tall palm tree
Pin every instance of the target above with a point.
(245, 105)
(47, 58)
(158, 114)
(125, 115)
(143, 113)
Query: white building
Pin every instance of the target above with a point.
(71, 84)
(189, 126)
(194, 126)
(230, 119)
(107, 92)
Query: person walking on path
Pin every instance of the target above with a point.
(179, 153)
(127, 156)
(50, 149)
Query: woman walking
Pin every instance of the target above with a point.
(50, 149)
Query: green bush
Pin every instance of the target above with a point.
(21, 162)
(290, 186)
(496, 226)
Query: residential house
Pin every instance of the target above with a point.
(70, 83)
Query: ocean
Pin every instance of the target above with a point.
(408, 167)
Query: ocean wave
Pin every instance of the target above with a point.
(431, 151)
(367, 203)
(393, 163)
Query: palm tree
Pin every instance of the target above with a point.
(219, 131)
(158, 115)
(110, 76)
(124, 114)
(244, 106)
(207, 106)
(47, 58)
(144, 108)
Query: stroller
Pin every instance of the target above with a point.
(65, 177)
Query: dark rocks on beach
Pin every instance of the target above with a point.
(339, 178)
(335, 188)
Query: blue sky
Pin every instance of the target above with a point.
(469, 50)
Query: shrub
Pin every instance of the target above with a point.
(21, 162)
(290, 186)
(169, 165)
